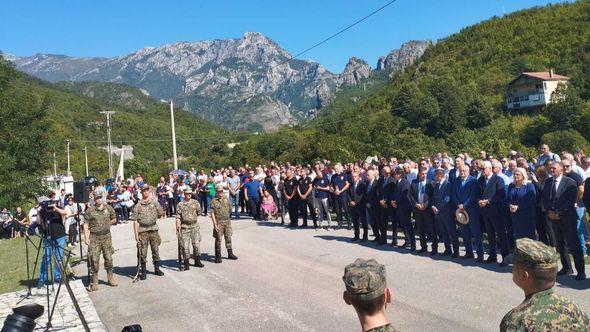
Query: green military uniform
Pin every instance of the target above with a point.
(188, 213)
(221, 207)
(99, 224)
(543, 310)
(366, 280)
(146, 214)
(384, 328)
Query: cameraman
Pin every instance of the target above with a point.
(51, 223)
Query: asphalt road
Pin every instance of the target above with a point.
(291, 280)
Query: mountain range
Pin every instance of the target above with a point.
(249, 83)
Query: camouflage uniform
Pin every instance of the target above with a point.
(146, 213)
(384, 328)
(221, 207)
(99, 224)
(188, 213)
(544, 310)
(366, 280)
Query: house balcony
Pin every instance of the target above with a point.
(532, 100)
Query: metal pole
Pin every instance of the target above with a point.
(108, 114)
(68, 152)
(86, 159)
(54, 166)
(173, 134)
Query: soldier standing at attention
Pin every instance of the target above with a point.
(367, 291)
(187, 227)
(220, 210)
(534, 271)
(97, 236)
(145, 216)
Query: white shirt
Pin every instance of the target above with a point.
(33, 215)
(421, 189)
(556, 182)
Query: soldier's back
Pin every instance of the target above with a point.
(546, 311)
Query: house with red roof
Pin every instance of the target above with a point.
(532, 89)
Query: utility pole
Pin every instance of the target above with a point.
(108, 115)
(86, 159)
(69, 172)
(54, 166)
(173, 135)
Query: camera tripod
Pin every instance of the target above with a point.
(51, 248)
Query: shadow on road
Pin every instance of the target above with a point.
(387, 247)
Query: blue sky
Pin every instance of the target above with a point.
(109, 28)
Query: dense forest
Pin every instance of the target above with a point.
(452, 99)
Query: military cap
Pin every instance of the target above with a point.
(534, 254)
(365, 279)
(218, 187)
(188, 191)
(97, 193)
(145, 187)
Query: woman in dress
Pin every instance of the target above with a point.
(522, 205)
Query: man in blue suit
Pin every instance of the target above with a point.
(491, 202)
(464, 196)
(400, 202)
(441, 207)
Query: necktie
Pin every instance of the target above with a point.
(554, 191)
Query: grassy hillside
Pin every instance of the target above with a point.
(453, 97)
(72, 112)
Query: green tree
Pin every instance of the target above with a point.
(23, 141)
(569, 140)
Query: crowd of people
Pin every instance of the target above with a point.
(439, 199)
(401, 203)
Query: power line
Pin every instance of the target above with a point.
(341, 31)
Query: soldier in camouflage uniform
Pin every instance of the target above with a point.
(220, 212)
(145, 215)
(187, 228)
(97, 235)
(367, 291)
(534, 271)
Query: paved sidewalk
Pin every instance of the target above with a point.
(65, 317)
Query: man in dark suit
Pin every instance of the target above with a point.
(559, 196)
(464, 196)
(384, 187)
(402, 208)
(357, 206)
(454, 173)
(419, 196)
(492, 193)
(371, 202)
(441, 207)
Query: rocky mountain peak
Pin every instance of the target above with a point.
(356, 70)
(399, 59)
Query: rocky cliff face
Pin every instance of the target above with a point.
(245, 83)
(355, 71)
(399, 59)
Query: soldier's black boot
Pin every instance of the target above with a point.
(157, 270)
(217, 255)
(230, 255)
(142, 272)
(198, 262)
(187, 266)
